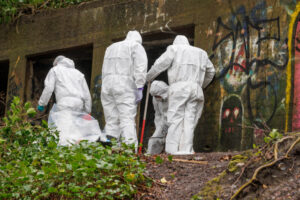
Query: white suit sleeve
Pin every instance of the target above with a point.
(209, 73)
(140, 62)
(86, 96)
(161, 64)
(49, 88)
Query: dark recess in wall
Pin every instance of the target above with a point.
(39, 65)
(4, 70)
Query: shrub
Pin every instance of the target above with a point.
(32, 166)
(11, 10)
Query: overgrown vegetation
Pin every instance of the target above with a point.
(32, 166)
(11, 10)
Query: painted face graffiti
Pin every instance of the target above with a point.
(231, 117)
(231, 124)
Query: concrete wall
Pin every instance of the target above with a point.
(253, 44)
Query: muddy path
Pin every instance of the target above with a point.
(182, 179)
(214, 175)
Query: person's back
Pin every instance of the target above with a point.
(68, 89)
(123, 77)
(187, 65)
(189, 70)
(69, 85)
(126, 58)
(118, 60)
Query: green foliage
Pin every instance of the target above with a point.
(10, 10)
(255, 146)
(273, 136)
(33, 166)
(159, 160)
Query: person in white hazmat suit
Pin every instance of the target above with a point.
(189, 70)
(159, 91)
(123, 78)
(70, 114)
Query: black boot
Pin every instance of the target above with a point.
(108, 142)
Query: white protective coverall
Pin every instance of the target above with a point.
(73, 103)
(189, 70)
(124, 71)
(156, 143)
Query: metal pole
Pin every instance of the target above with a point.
(144, 117)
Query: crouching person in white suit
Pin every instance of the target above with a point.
(70, 114)
(159, 91)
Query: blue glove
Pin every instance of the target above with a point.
(139, 95)
(40, 108)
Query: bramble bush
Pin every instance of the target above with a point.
(11, 10)
(33, 166)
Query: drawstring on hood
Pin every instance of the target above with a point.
(181, 40)
(134, 36)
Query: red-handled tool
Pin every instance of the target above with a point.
(144, 117)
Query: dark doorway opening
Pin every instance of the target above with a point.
(39, 65)
(4, 70)
(155, 44)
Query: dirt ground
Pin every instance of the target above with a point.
(181, 180)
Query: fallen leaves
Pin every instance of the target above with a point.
(225, 158)
(163, 180)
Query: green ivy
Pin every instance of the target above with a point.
(33, 166)
(274, 135)
(11, 10)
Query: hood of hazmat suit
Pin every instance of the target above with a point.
(123, 72)
(189, 70)
(58, 59)
(157, 141)
(159, 88)
(134, 36)
(66, 62)
(181, 40)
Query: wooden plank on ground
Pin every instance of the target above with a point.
(190, 161)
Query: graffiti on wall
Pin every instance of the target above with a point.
(231, 118)
(250, 55)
